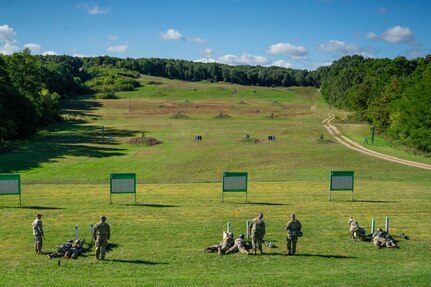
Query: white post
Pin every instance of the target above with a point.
(91, 231)
(373, 225)
(76, 232)
(387, 224)
(228, 227)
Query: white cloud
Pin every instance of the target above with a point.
(172, 34)
(197, 40)
(398, 34)
(49, 53)
(335, 46)
(118, 49)
(244, 59)
(35, 48)
(207, 52)
(7, 38)
(282, 63)
(96, 10)
(371, 35)
(287, 48)
(80, 55)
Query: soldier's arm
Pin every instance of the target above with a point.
(109, 232)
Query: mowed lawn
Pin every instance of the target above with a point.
(159, 241)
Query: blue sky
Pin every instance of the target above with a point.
(301, 34)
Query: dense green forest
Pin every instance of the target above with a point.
(393, 95)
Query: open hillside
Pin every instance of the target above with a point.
(159, 241)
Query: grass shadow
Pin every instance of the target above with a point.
(324, 256)
(138, 261)
(67, 139)
(376, 201)
(34, 207)
(151, 205)
(259, 203)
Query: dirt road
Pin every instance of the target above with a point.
(357, 147)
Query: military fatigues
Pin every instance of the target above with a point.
(293, 228)
(355, 229)
(257, 230)
(101, 234)
(227, 243)
(38, 235)
(62, 250)
(383, 239)
(238, 246)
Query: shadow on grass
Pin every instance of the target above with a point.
(151, 205)
(137, 261)
(260, 203)
(66, 139)
(324, 256)
(308, 255)
(376, 201)
(34, 207)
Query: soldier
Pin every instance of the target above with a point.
(238, 246)
(356, 231)
(293, 228)
(101, 234)
(62, 250)
(222, 247)
(76, 249)
(257, 230)
(381, 239)
(38, 234)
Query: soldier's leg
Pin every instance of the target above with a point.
(233, 249)
(253, 242)
(103, 245)
(294, 240)
(97, 248)
(289, 246)
(260, 240)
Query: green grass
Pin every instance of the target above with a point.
(65, 172)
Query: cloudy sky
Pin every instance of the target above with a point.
(303, 34)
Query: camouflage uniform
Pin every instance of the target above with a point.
(62, 250)
(38, 233)
(293, 228)
(238, 246)
(227, 243)
(355, 229)
(257, 230)
(383, 239)
(101, 234)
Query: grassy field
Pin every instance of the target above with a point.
(159, 241)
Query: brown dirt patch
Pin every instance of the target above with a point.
(148, 141)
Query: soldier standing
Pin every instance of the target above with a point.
(293, 228)
(38, 234)
(257, 230)
(101, 234)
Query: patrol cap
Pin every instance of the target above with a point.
(292, 215)
(70, 241)
(38, 215)
(103, 218)
(260, 215)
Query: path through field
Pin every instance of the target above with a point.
(357, 147)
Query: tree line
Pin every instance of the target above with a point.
(393, 95)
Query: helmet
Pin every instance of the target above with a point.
(78, 241)
(230, 234)
(70, 241)
(260, 215)
(241, 236)
(103, 218)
